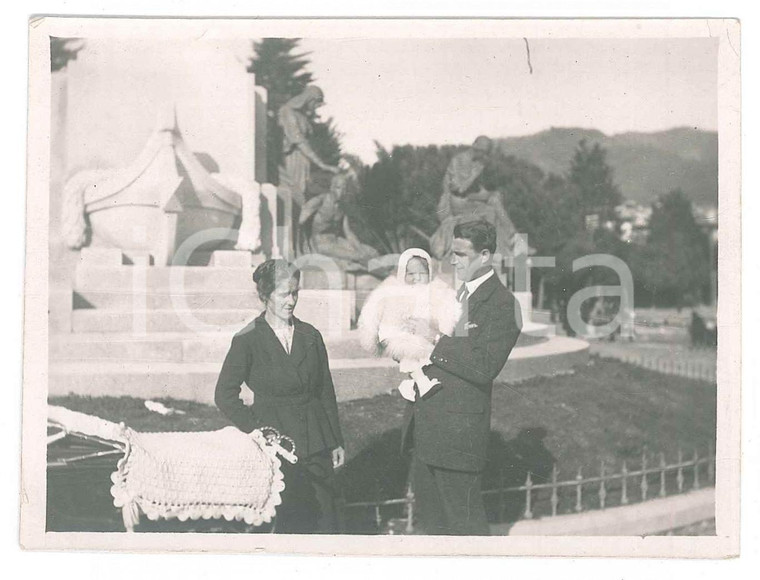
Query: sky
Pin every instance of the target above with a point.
(448, 91)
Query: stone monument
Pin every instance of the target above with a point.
(158, 151)
(325, 229)
(163, 210)
(160, 144)
(295, 120)
(466, 198)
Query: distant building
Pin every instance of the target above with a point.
(634, 221)
(706, 216)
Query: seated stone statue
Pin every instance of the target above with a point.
(325, 228)
(464, 199)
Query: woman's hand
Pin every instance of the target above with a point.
(338, 457)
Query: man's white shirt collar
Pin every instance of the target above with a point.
(473, 285)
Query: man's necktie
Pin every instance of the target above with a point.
(463, 293)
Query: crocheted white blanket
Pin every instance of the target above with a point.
(187, 475)
(217, 474)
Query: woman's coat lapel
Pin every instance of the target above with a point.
(298, 350)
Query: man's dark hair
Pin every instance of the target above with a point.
(481, 233)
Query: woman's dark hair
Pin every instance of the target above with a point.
(481, 233)
(268, 274)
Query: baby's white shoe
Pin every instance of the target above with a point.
(424, 383)
(406, 388)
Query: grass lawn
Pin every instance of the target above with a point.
(607, 411)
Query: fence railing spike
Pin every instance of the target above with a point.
(579, 490)
(555, 494)
(644, 481)
(409, 507)
(528, 490)
(654, 465)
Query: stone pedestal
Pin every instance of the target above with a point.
(100, 257)
(161, 147)
(60, 305)
(234, 259)
(526, 304)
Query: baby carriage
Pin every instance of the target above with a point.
(220, 475)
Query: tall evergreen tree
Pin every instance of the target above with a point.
(593, 177)
(674, 265)
(326, 141)
(62, 50)
(283, 74)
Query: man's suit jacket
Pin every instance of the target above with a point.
(293, 392)
(449, 427)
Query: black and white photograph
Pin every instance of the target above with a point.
(465, 282)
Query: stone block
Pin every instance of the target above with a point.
(137, 258)
(526, 304)
(100, 257)
(257, 259)
(60, 305)
(231, 259)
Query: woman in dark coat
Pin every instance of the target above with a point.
(283, 360)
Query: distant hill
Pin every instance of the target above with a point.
(645, 164)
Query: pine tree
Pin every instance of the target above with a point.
(593, 177)
(674, 265)
(283, 74)
(325, 140)
(62, 50)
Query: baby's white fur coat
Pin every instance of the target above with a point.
(393, 303)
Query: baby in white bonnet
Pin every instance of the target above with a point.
(405, 314)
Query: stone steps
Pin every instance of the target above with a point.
(180, 279)
(354, 379)
(176, 279)
(153, 332)
(329, 310)
(170, 347)
(148, 321)
(197, 300)
(185, 346)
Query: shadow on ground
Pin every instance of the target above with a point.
(380, 472)
(79, 498)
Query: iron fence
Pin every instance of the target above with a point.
(700, 370)
(649, 477)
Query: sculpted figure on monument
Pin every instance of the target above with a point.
(325, 228)
(298, 155)
(294, 118)
(465, 199)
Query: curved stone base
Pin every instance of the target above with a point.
(172, 365)
(358, 378)
(557, 355)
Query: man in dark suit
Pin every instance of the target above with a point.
(449, 426)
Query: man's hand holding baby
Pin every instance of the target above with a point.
(420, 327)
